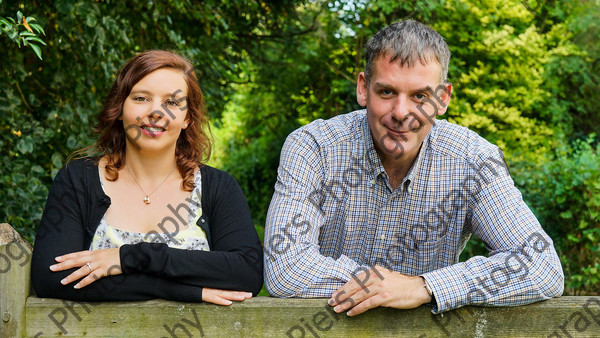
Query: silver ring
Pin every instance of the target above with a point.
(88, 264)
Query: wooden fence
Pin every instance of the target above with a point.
(24, 315)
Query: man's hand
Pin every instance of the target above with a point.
(379, 287)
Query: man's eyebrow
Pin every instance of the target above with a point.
(418, 90)
(382, 85)
(423, 89)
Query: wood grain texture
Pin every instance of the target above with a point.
(15, 265)
(25, 315)
(272, 317)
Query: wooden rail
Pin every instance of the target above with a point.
(26, 315)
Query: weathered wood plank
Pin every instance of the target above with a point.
(271, 317)
(265, 316)
(15, 262)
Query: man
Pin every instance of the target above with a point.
(373, 208)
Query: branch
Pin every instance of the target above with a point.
(288, 35)
(340, 72)
(23, 96)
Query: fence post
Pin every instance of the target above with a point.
(15, 263)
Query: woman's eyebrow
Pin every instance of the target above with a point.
(175, 93)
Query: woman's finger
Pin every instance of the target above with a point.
(89, 279)
(234, 295)
(211, 296)
(72, 255)
(223, 297)
(76, 275)
(71, 262)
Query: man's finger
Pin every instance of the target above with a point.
(360, 282)
(356, 298)
(373, 300)
(337, 299)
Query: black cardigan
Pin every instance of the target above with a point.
(75, 206)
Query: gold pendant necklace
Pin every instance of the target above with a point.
(147, 196)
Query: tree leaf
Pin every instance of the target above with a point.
(38, 28)
(37, 50)
(36, 39)
(27, 25)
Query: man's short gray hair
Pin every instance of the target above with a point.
(408, 41)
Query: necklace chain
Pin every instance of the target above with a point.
(147, 196)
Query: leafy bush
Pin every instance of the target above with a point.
(525, 78)
(564, 193)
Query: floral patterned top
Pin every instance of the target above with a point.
(191, 238)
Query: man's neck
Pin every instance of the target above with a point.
(397, 167)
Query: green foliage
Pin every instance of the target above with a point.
(47, 109)
(564, 193)
(23, 30)
(516, 74)
(525, 78)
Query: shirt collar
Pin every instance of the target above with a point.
(415, 169)
(373, 162)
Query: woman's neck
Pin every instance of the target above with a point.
(150, 169)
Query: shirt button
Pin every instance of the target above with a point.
(202, 220)
(382, 237)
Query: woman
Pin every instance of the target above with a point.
(146, 219)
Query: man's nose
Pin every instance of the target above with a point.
(401, 108)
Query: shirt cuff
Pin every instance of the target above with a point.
(448, 289)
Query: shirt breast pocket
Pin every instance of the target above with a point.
(410, 255)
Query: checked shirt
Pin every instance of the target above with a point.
(334, 215)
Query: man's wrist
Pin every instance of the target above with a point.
(426, 291)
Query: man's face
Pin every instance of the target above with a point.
(402, 104)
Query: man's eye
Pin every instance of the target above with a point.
(172, 103)
(420, 96)
(386, 92)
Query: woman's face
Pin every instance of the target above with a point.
(155, 112)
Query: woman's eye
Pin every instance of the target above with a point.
(139, 99)
(172, 103)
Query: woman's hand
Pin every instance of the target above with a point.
(223, 297)
(92, 265)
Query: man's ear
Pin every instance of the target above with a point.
(361, 90)
(444, 92)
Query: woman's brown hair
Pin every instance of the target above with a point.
(194, 143)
